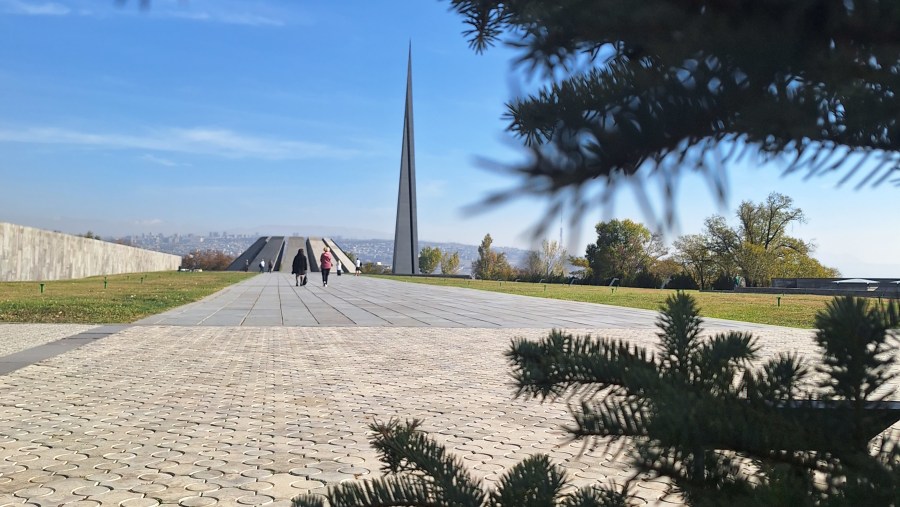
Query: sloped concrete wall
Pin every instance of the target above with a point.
(291, 245)
(28, 254)
(314, 248)
(268, 253)
(246, 258)
(339, 254)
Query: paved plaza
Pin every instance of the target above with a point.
(272, 299)
(264, 391)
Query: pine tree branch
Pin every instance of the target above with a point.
(550, 367)
(533, 481)
(402, 447)
(391, 491)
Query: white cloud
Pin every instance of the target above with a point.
(159, 160)
(227, 18)
(33, 9)
(251, 20)
(188, 15)
(220, 11)
(202, 141)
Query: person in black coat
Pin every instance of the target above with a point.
(299, 267)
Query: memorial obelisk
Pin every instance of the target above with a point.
(406, 234)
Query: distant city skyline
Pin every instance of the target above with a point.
(249, 116)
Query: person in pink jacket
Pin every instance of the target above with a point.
(325, 264)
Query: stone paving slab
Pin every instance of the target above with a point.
(272, 299)
(166, 415)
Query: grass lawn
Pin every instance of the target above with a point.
(794, 311)
(126, 298)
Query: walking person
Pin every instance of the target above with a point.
(358, 267)
(299, 267)
(325, 264)
(340, 268)
(246, 265)
(262, 266)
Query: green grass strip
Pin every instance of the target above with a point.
(113, 299)
(794, 310)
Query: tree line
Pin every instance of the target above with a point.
(432, 258)
(750, 252)
(207, 260)
(547, 264)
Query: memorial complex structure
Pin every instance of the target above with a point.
(406, 234)
(279, 252)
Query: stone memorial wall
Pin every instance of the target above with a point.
(29, 254)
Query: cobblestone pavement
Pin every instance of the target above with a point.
(193, 416)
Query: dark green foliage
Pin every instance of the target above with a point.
(723, 282)
(450, 263)
(532, 482)
(647, 280)
(852, 334)
(778, 379)
(429, 259)
(490, 265)
(670, 85)
(759, 248)
(371, 268)
(596, 497)
(697, 413)
(695, 254)
(421, 473)
(624, 249)
(683, 281)
(403, 448)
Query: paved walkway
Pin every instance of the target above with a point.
(271, 299)
(264, 391)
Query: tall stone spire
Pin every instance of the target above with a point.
(406, 233)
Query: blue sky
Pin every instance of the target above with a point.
(279, 116)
